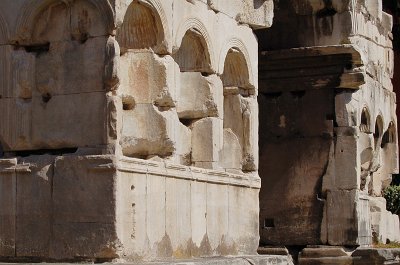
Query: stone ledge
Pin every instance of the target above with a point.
(243, 260)
(170, 170)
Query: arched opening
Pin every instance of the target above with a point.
(199, 100)
(141, 28)
(238, 108)
(193, 54)
(59, 72)
(389, 136)
(365, 124)
(61, 21)
(236, 74)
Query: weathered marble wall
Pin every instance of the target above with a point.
(128, 129)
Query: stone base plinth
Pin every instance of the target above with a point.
(103, 208)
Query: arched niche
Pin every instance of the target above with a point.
(142, 28)
(56, 20)
(193, 54)
(239, 105)
(378, 131)
(235, 50)
(365, 122)
(236, 74)
(389, 136)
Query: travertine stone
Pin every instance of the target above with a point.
(347, 218)
(218, 220)
(231, 153)
(147, 132)
(84, 208)
(178, 223)
(256, 13)
(33, 226)
(347, 160)
(149, 78)
(207, 140)
(324, 255)
(199, 96)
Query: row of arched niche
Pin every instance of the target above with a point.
(145, 25)
(379, 157)
(43, 24)
(380, 134)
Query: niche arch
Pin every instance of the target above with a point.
(145, 26)
(390, 135)
(238, 46)
(365, 120)
(30, 11)
(193, 32)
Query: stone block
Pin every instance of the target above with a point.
(341, 226)
(378, 219)
(218, 219)
(231, 153)
(257, 14)
(145, 132)
(345, 109)
(83, 189)
(71, 67)
(24, 74)
(158, 240)
(83, 241)
(16, 129)
(393, 227)
(84, 211)
(325, 255)
(242, 229)
(375, 256)
(347, 162)
(68, 121)
(34, 216)
(198, 216)
(347, 217)
(148, 132)
(131, 214)
(200, 96)
(149, 78)
(8, 204)
(178, 216)
(207, 140)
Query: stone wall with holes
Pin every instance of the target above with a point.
(347, 135)
(129, 129)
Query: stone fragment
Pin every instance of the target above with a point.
(207, 140)
(231, 154)
(199, 96)
(149, 78)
